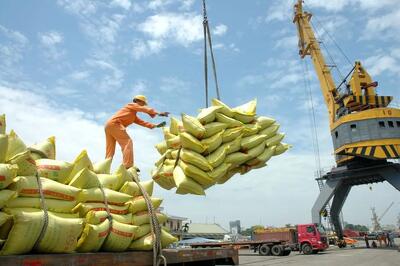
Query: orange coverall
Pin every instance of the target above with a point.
(115, 130)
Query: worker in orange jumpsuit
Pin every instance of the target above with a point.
(115, 127)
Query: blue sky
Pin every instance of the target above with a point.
(66, 66)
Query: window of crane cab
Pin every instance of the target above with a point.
(336, 134)
(390, 123)
(398, 123)
(381, 123)
(353, 127)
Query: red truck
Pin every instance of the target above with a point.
(306, 238)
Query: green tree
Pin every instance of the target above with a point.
(249, 231)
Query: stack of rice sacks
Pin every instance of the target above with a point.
(220, 142)
(78, 219)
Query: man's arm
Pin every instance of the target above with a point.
(144, 123)
(143, 109)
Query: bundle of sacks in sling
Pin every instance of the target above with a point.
(199, 152)
(52, 206)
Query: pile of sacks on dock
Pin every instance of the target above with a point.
(220, 142)
(85, 208)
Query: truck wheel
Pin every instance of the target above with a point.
(286, 252)
(277, 250)
(264, 250)
(307, 249)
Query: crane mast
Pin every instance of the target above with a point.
(308, 45)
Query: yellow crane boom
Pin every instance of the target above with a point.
(361, 123)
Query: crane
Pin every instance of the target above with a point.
(376, 221)
(365, 130)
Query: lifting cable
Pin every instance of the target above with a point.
(207, 40)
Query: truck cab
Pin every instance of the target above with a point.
(311, 238)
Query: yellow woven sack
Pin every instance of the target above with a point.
(25, 231)
(95, 195)
(251, 142)
(65, 215)
(6, 195)
(257, 150)
(193, 126)
(145, 243)
(126, 175)
(25, 162)
(139, 204)
(214, 128)
(113, 181)
(93, 237)
(249, 108)
(3, 124)
(163, 176)
(84, 208)
(231, 134)
(275, 140)
(161, 147)
(207, 115)
(219, 172)
(6, 223)
(195, 159)
(263, 157)
(143, 217)
(120, 237)
(233, 146)
(54, 205)
(237, 158)
(3, 147)
(230, 122)
(191, 143)
(196, 174)
(169, 162)
(228, 175)
(143, 230)
(85, 178)
(250, 130)
(81, 161)
(264, 122)
(281, 148)
(132, 189)
(55, 170)
(175, 126)
(15, 146)
(45, 149)
(97, 217)
(226, 110)
(174, 143)
(27, 186)
(212, 143)
(103, 167)
(270, 131)
(61, 235)
(7, 174)
(217, 157)
(185, 184)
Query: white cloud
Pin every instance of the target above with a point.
(80, 75)
(12, 47)
(220, 30)
(51, 38)
(139, 87)
(79, 7)
(143, 48)
(174, 85)
(384, 26)
(125, 4)
(111, 76)
(381, 63)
